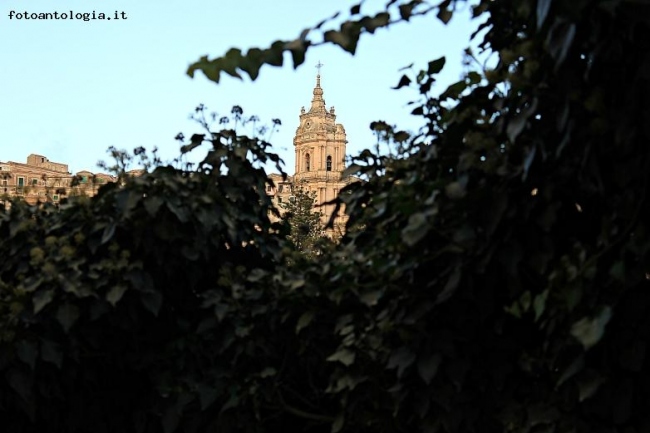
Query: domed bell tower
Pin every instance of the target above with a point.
(320, 150)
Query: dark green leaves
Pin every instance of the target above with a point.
(115, 293)
(402, 359)
(493, 273)
(517, 124)
(42, 298)
(67, 315)
(428, 367)
(298, 49)
(347, 38)
(436, 66)
(27, 352)
(543, 7)
(20, 382)
(304, 320)
(589, 330)
(560, 39)
(444, 14)
(343, 355)
(416, 229)
(404, 81)
(250, 63)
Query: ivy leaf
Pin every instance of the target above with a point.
(542, 414)
(560, 39)
(21, 382)
(252, 63)
(454, 90)
(274, 55)
(67, 315)
(406, 10)
(41, 299)
(528, 161)
(152, 204)
(207, 395)
(589, 330)
(444, 15)
(126, 201)
(436, 66)
(428, 367)
(304, 320)
(401, 359)
(517, 124)
(170, 420)
(543, 7)
(617, 271)
(371, 298)
(404, 81)
(588, 384)
(339, 38)
(344, 356)
(27, 352)
(152, 301)
(51, 352)
(350, 170)
(298, 48)
(338, 423)
(380, 20)
(109, 231)
(115, 294)
(268, 372)
(347, 38)
(416, 229)
(474, 77)
(450, 287)
(575, 367)
(539, 304)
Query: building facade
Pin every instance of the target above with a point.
(40, 180)
(320, 149)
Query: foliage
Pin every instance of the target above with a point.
(306, 229)
(494, 276)
(113, 314)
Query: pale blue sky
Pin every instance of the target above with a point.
(71, 89)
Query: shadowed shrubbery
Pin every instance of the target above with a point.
(494, 277)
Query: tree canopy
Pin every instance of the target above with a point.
(494, 276)
(306, 230)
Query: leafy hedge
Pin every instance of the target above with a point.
(494, 276)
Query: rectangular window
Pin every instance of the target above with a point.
(84, 179)
(268, 188)
(279, 199)
(55, 197)
(21, 182)
(34, 181)
(280, 188)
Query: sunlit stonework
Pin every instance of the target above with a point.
(40, 180)
(320, 160)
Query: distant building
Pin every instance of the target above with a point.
(40, 180)
(320, 145)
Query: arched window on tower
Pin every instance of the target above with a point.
(329, 163)
(307, 162)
